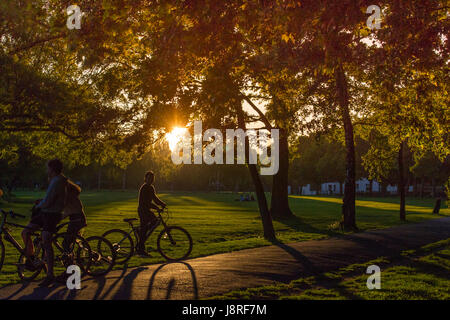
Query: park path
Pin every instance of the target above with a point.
(220, 273)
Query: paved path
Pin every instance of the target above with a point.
(220, 273)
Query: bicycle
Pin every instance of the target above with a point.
(80, 252)
(23, 272)
(94, 255)
(174, 243)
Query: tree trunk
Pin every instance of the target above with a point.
(401, 181)
(269, 232)
(415, 187)
(421, 187)
(279, 205)
(433, 187)
(437, 206)
(348, 206)
(124, 179)
(99, 178)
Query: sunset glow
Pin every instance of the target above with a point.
(174, 136)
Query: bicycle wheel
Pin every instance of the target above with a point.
(103, 256)
(24, 273)
(122, 243)
(77, 253)
(174, 243)
(2, 254)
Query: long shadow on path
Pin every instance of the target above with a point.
(221, 273)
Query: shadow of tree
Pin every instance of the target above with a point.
(298, 224)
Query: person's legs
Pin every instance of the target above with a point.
(26, 236)
(145, 220)
(73, 229)
(47, 245)
(71, 234)
(35, 224)
(50, 222)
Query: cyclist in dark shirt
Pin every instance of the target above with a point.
(148, 200)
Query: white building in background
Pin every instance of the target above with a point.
(391, 189)
(306, 191)
(330, 188)
(362, 186)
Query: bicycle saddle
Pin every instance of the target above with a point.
(129, 219)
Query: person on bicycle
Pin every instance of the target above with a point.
(46, 215)
(147, 195)
(77, 218)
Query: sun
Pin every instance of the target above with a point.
(174, 136)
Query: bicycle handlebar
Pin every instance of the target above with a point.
(166, 211)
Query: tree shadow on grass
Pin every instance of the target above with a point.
(429, 268)
(310, 268)
(363, 204)
(298, 224)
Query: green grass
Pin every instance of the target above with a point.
(413, 275)
(219, 224)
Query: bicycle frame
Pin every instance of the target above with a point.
(8, 236)
(134, 229)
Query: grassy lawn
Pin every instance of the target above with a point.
(413, 275)
(219, 224)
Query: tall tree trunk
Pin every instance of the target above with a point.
(279, 205)
(421, 187)
(401, 181)
(415, 187)
(433, 187)
(124, 179)
(348, 206)
(269, 232)
(99, 178)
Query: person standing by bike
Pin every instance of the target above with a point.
(47, 214)
(77, 220)
(147, 195)
(75, 211)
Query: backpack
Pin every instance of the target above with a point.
(72, 191)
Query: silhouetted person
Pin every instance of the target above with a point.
(46, 215)
(74, 210)
(147, 195)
